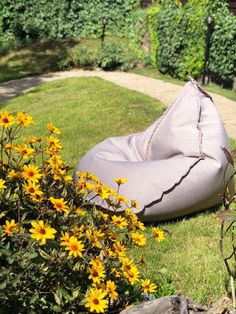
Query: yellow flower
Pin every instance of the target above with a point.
(102, 191)
(80, 212)
(24, 119)
(96, 262)
(88, 176)
(127, 264)
(10, 227)
(140, 225)
(119, 249)
(158, 234)
(33, 139)
(95, 301)
(148, 287)
(104, 216)
(138, 239)
(25, 151)
(134, 204)
(2, 184)
(55, 161)
(53, 129)
(119, 221)
(31, 173)
(33, 189)
(84, 186)
(8, 146)
(65, 239)
(41, 231)
(120, 181)
(132, 275)
(6, 119)
(74, 247)
(111, 289)
(60, 204)
(95, 237)
(96, 273)
(54, 143)
(14, 175)
(116, 273)
(121, 199)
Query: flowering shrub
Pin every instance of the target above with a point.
(59, 252)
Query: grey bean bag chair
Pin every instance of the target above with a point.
(175, 167)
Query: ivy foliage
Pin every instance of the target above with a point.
(64, 18)
(181, 36)
(152, 15)
(222, 63)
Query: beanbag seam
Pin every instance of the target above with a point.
(197, 88)
(173, 186)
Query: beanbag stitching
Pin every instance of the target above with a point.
(196, 88)
(174, 185)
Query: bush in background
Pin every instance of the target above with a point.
(181, 31)
(181, 38)
(64, 19)
(112, 56)
(222, 62)
(152, 16)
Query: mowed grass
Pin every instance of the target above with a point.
(89, 110)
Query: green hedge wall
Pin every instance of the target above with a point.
(222, 62)
(38, 19)
(152, 17)
(181, 32)
(181, 36)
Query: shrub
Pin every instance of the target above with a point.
(181, 35)
(152, 15)
(223, 44)
(63, 19)
(112, 56)
(80, 56)
(59, 252)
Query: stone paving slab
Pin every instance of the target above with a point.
(163, 91)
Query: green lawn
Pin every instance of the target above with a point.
(89, 110)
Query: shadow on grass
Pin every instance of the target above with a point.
(33, 59)
(211, 210)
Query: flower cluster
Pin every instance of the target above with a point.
(54, 239)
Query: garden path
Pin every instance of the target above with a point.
(163, 91)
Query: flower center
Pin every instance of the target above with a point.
(96, 301)
(42, 231)
(5, 120)
(73, 247)
(95, 273)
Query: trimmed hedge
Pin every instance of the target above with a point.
(181, 31)
(65, 18)
(222, 63)
(181, 36)
(152, 16)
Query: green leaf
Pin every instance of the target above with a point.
(34, 298)
(44, 254)
(58, 297)
(3, 284)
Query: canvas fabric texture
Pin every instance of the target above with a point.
(173, 168)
